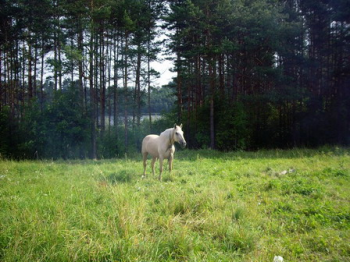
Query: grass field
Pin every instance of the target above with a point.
(241, 206)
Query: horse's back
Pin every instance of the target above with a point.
(150, 145)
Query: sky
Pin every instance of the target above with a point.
(163, 68)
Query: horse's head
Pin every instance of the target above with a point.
(179, 135)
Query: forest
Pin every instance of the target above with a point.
(76, 77)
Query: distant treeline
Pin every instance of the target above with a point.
(250, 74)
(57, 127)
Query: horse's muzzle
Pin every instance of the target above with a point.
(183, 144)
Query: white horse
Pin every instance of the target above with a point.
(162, 147)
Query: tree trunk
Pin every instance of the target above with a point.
(92, 99)
(80, 66)
(179, 89)
(126, 91)
(30, 81)
(138, 89)
(149, 82)
(102, 83)
(42, 76)
(212, 113)
(115, 90)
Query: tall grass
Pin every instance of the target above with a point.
(240, 206)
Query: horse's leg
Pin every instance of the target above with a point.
(170, 163)
(144, 163)
(152, 164)
(160, 167)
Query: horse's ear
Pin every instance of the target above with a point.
(181, 126)
(174, 125)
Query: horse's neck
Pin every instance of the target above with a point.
(168, 136)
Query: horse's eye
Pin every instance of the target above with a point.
(177, 133)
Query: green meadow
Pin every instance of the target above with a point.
(239, 206)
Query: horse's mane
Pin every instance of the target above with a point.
(168, 133)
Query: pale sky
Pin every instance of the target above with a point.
(163, 68)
